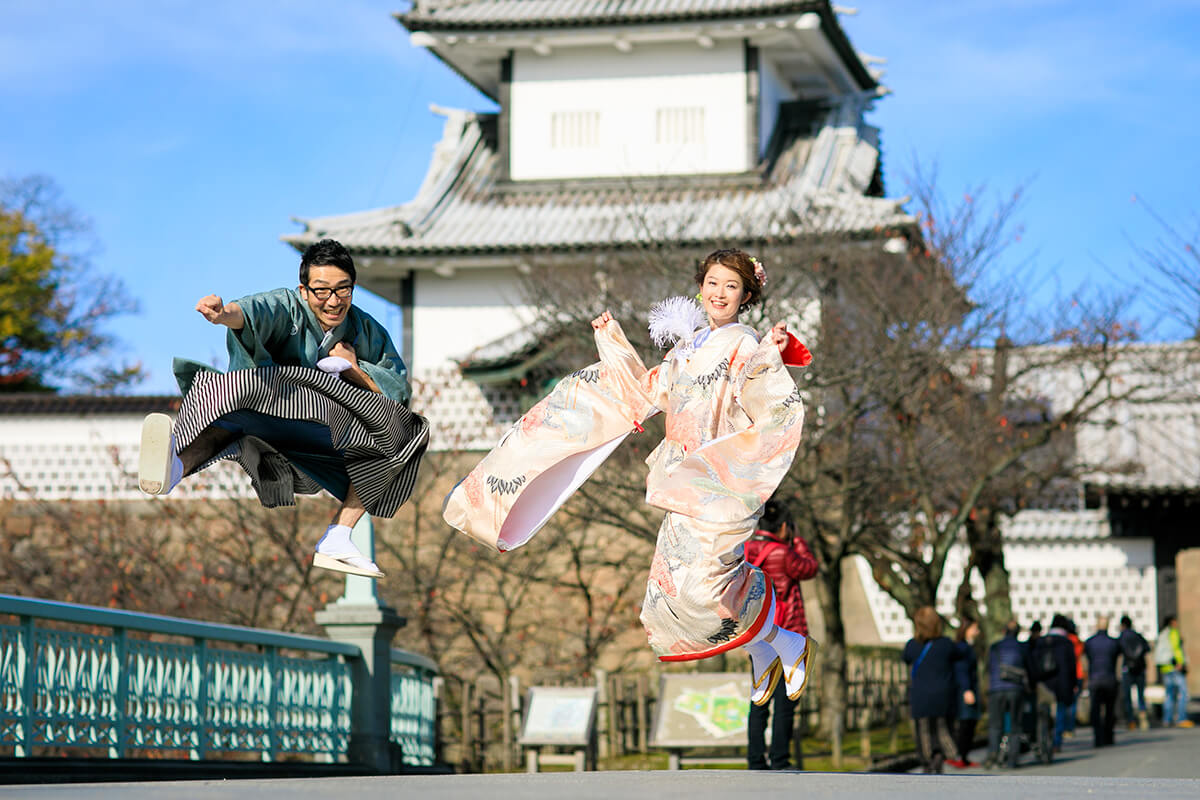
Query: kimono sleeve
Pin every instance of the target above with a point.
(729, 478)
(552, 449)
(270, 320)
(642, 389)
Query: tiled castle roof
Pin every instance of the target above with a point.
(815, 184)
(548, 13)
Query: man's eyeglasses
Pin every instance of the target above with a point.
(324, 292)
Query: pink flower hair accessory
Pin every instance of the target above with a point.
(760, 272)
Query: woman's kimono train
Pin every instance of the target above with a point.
(733, 425)
(300, 429)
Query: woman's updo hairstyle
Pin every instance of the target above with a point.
(740, 262)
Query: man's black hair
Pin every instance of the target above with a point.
(1167, 620)
(327, 253)
(1126, 622)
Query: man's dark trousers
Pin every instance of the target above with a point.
(1104, 704)
(782, 722)
(1000, 703)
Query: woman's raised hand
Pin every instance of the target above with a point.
(779, 336)
(602, 320)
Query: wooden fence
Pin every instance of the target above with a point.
(479, 723)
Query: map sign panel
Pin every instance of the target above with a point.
(702, 709)
(559, 715)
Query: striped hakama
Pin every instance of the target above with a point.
(302, 430)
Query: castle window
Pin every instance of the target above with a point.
(574, 129)
(679, 125)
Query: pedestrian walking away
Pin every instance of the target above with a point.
(1102, 652)
(1064, 682)
(933, 689)
(967, 678)
(1009, 679)
(786, 560)
(316, 397)
(1134, 649)
(1171, 660)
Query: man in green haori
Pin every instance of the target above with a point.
(315, 398)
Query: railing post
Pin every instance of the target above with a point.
(28, 687)
(201, 750)
(121, 640)
(359, 618)
(273, 726)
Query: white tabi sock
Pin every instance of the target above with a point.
(762, 659)
(336, 541)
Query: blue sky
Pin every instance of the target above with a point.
(191, 133)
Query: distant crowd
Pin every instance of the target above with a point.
(1035, 686)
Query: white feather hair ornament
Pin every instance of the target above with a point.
(674, 319)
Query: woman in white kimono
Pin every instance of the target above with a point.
(733, 424)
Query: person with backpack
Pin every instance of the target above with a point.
(785, 559)
(1064, 683)
(1134, 649)
(1102, 652)
(932, 689)
(1009, 677)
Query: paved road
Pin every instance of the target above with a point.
(1156, 753)
(686, 785)
(1156, 764)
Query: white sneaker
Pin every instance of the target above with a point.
(159, 468)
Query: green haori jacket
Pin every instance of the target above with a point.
(281, 330)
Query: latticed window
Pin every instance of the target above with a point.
(574, 129)
(684, 125)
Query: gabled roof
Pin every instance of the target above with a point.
(498, 14)
(474, 24)
(813, 186)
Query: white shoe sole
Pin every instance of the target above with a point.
(337, 565)
(154, 457)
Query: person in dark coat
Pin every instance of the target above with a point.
(786, 559)
(1063, 680)
(1134, 649)
(1009, 677)
(966, 672)
(932, 689)
(1102, 651)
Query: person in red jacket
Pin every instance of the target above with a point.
(786, 560)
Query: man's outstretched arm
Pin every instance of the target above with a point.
(218, 313)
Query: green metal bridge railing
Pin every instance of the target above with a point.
(209, 689)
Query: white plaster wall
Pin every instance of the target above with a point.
(91, 457)
(454, 315)
(627, 89)
(1082, 579)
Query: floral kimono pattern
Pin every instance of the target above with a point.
(733, 424)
